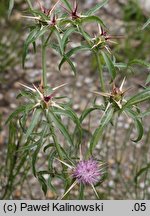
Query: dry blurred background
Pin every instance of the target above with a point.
(125, 158)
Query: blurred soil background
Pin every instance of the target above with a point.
(124, 157)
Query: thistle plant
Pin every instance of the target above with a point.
(41, 117)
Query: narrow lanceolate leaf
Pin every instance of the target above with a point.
(140, 130)
(144, 114)
(67, 4)
(37, 32)
(65, 22)
(72, 52)
(109, 65)
(138, 98)
(61, 127)
(72, 115)
(120, 65)
(69, 62)
(21, 109)
(57, 34)
(146, 24)
(92, 19)
(30, 5)
(11, 5)
(138, 124)
(86, 112)
(86, 36)
(39, 143)
(42, 181)
(66, 35)
(69, 113)
(105, 120)
(141, 171)
(148, 80)
(56, 48)
(33, 123)
(96, 8)
(34, 157)
(139, 62)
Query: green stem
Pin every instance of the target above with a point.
(44, 45)
(100, 72)
(81, 192)
(97, 59)
(44, 78)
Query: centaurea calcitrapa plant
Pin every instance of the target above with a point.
(41, 118)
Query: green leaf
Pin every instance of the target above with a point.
(106, 118)
(86, 36)
(57, 34)
(40, 14)
(109, 64)
(96, 8)
(29, 147)
(138, 124)
(146, 113)
(30, 5)
(24, 108)
(148, 80)
(120, 65)
(92, 19)
(67, 4)
(141, 171)
(65, 22)
(39, 143)
(66, 35)
(50, 185)
(72, 115)
(37, 32)
(11, 5)
(48, 146)
(60, 126)
(11, 147)
(34, 120)
(139, 62)
(138, 98)
(70, 63)
(146, 24)
(27, 94)
(34, 156)
(140, 130)
(86, 112)
(23, 160)
(42, 181)
(51, 157)
(72, 52)
(56, 48)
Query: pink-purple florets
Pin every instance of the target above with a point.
(87, 172)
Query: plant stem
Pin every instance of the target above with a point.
(97, 59)
(44, 78)
(100, 72)
(44, 45)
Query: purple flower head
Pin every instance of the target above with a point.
(87, 172)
